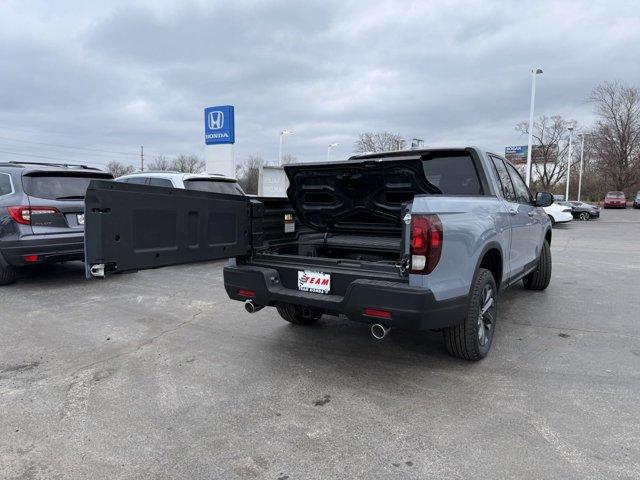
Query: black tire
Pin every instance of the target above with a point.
(299, 316)
(553, 220)
(471, 340)
(539, 279)
(585, 216)
(7, 275)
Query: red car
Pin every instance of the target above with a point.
(615, 200)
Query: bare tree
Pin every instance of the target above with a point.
(249, 173)
(188, 164)
(118, 169)
(615, 139)
(160, 162)
(379, 142)
(289, 158)
(550, 144)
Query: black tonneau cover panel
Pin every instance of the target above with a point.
(358, 195)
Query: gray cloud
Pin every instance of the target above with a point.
(116, 75)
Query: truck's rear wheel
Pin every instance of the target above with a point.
(471, 340)
(7, 275)
(539, 279)
(299, 315)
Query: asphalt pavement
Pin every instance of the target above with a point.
(157, 375)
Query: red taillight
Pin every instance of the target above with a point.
(23, 214)
(426, 243)
(246, 293)
(31, 258)
(374, 312)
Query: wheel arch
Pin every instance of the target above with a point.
(492, 258)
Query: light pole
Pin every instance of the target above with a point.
(534, 72)
(329, 150)
(566, 197)
(582, 135)
(282, 134)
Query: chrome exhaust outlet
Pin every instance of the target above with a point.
(251, 307)
(379, 331)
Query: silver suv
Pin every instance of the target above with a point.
(202, 182)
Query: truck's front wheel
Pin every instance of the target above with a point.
(539, 279)
(471, 340)
(299, 315)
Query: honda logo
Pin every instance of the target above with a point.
(215, 120)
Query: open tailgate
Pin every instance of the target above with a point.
(135, 227)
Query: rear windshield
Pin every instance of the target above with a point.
(453, 175)
(615, 194)
(213, 186)
(58, 187)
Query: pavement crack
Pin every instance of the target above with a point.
(138, 347)
(573, 329)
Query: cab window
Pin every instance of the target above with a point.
(506, 187)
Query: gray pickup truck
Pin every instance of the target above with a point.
(419, 239)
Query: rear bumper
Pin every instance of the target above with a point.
(410, 307)
(48, 248)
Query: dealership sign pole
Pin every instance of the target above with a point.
(219, 138)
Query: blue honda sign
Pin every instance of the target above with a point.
(219, 125)
(516, 150)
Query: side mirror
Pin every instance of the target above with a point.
(543, 199)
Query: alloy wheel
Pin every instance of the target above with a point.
(485, 315)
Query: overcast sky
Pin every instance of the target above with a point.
(113, 75)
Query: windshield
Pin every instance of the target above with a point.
(58, 186)
(615, 194)
(213, 186)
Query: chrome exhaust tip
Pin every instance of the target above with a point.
(251, 307)
(379, 331)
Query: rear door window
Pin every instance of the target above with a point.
(160, 182)
(522, 192)
(454, 175)
(506, 187)
(5, 184)
(213, 186)
(137, 180)
(56, 186)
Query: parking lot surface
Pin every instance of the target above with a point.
(158, 375)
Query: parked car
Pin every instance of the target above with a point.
(187, 181)
(581, 210)
(559, 213)
(636, 201)
(615, 200)
(422, 239)
(41, 214)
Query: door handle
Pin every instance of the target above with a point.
(531, 214)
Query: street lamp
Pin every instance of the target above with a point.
(582, 135)
(282, 134)
(329, 150)
(534, 72)
(566, 197)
